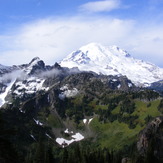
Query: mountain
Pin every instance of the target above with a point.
(36, 66)
(45, 111)
(22, 79)
(113, 61)
(26, 80)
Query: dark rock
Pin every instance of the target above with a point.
(36, 65)
(151, 139)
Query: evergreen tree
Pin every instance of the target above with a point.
(7, 152)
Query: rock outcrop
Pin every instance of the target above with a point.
(151, 139)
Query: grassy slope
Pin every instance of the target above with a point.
(142, 110)
(113, 135)
(116, 135)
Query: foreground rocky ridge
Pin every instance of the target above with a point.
(151, 139)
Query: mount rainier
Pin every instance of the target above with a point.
(112, 60)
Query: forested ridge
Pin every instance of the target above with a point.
(112, 135)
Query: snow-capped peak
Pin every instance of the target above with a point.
(34, 66)
(22, 80)
(111, 60)
(95, 52)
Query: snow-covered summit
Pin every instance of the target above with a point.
(111, 60)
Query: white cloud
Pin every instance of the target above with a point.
(147, 44)
(100, 6)
(52, 39)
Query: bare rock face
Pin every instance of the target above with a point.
(126, 160)
(151, 139)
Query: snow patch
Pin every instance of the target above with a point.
(22, 111)
(64, 88)
(48, 135)
(114, 80)
(66, 92)
(147, 85)
(84, 121)
(130, 85)
(68, 132)
(4, 94)
(64, 142)
(29, 86)
(38, 122)
(119, 86)
(90, 120)
(78, 137)
(33, 137)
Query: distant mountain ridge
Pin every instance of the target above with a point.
(26, 80)
(113, 61)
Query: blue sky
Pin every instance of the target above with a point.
(51, 29)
